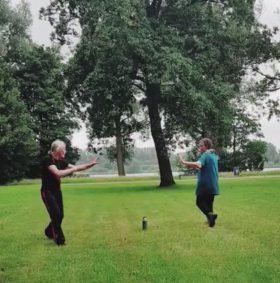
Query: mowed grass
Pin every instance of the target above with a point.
(105, 242)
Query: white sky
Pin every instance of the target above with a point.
(40, 33)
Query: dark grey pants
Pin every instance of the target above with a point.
(205, 203)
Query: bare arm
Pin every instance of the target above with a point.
(85, 166)
(190, 164)
(61, 173)
(70, 169)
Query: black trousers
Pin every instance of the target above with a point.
(205, 203)
(54, 204)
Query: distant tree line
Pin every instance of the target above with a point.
(272, 155)
(253, 156)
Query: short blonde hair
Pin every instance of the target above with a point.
(57, 144)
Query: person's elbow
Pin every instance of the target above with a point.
(56, 174)
(198, 165)
(54, 171)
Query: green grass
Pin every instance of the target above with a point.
(105, 243)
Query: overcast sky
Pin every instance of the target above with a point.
(270, 16)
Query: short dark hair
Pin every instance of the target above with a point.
(207, 142)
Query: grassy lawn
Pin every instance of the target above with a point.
(105, 243)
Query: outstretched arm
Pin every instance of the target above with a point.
(190, 164)
(61, 173)
(70, 169)
(85, 166)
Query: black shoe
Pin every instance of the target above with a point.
(212, 219)
(60, 240)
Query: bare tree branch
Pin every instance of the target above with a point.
(139, 87)
(273, 89)
(138, 78)
(273, 78)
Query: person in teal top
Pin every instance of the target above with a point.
(207, 179)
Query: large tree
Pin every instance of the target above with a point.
(133, 28)
(224, 41)
(39, 73)
(187, 57)
(17, 143)
(104, 95)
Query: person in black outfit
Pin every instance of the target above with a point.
(53, 167)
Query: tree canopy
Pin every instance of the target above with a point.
(17, 143)
(40, 78)
(187, 58)
(31, 90)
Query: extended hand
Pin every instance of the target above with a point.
(94, 162)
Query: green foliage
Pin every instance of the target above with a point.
(14, 24)
(17, 143)
(219, 41)
(225, 163)
(99, 80)
(254, 153)
(41, 84)
(187, 58)
(251, 155)
(127, 153)
(244, 126)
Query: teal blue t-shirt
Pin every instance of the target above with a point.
(207, 178)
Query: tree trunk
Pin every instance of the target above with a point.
(153, 95)
(119, 146)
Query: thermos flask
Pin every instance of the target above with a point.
(144, 223)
